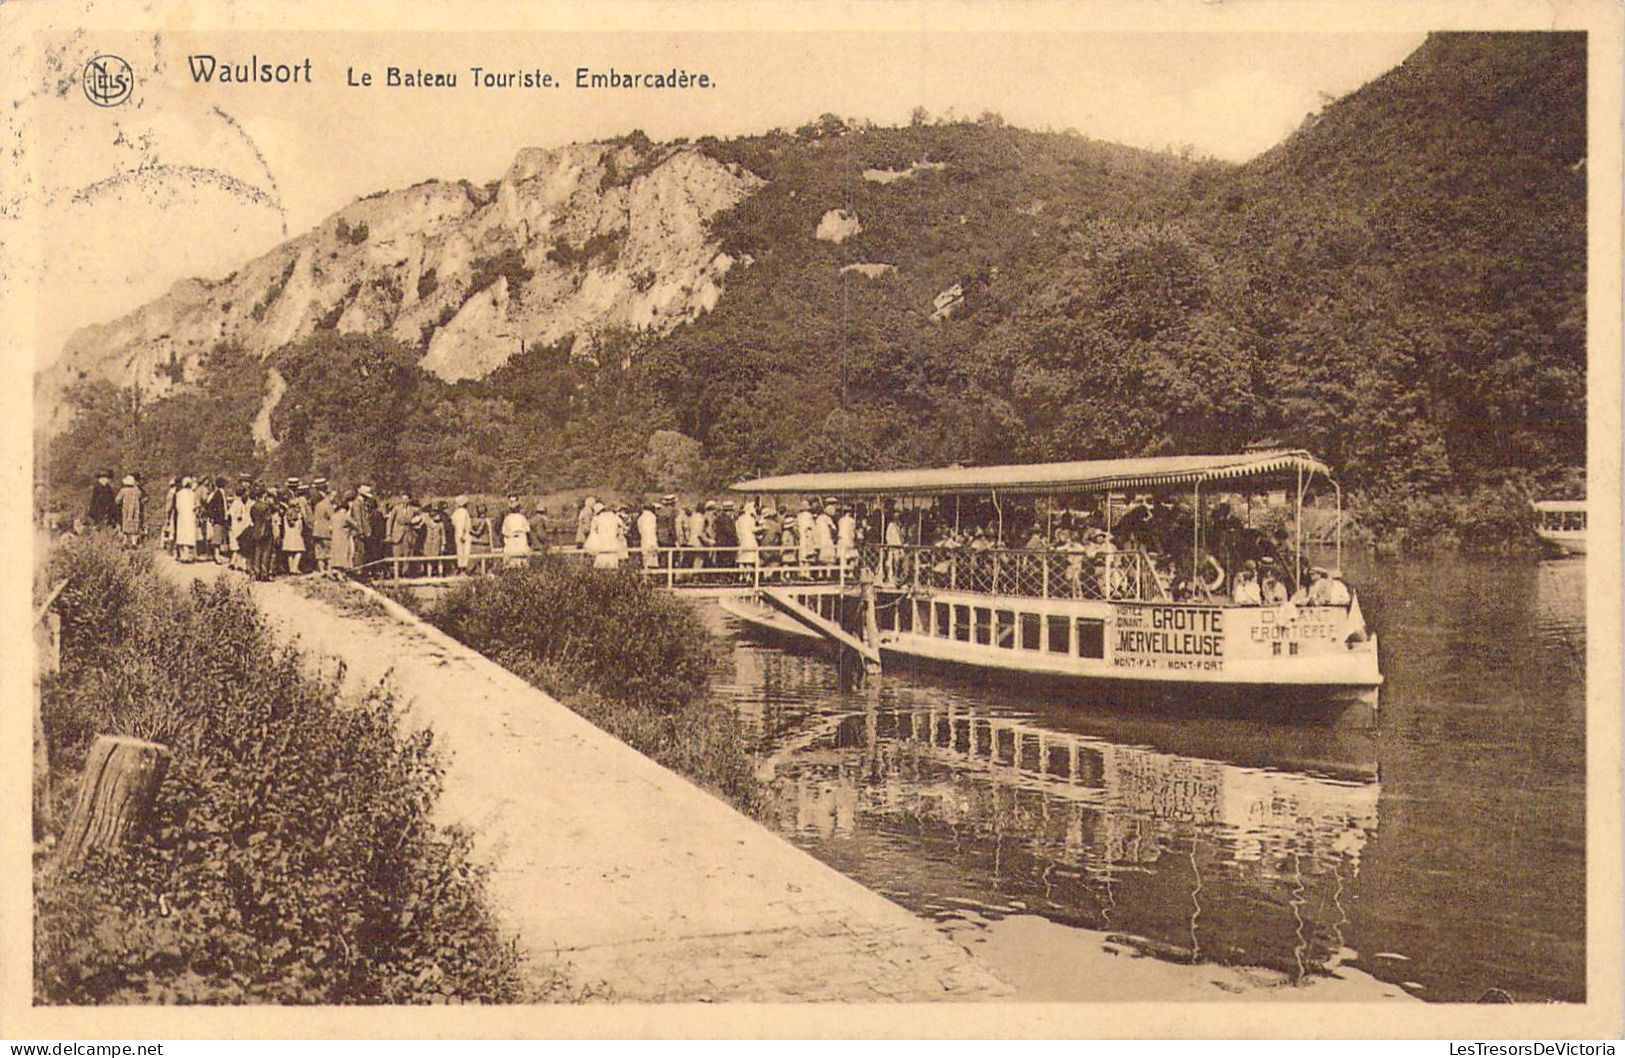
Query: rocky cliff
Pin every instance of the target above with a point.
(569, 242)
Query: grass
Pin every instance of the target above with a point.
(634, 662)
(293, 857)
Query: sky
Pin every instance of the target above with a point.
(191, 180)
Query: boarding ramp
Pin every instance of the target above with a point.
(704, 571)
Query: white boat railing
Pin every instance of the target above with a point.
(1126, 575)
(671, 567)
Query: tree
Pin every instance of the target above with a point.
(673, 461)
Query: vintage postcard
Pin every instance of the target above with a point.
(786, 520)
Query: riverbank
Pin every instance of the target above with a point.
(637, 883)
(286, 851)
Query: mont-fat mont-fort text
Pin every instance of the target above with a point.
(208, 69)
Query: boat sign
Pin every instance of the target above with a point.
(1169, 638)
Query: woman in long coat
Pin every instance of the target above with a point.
(132, 511)
(343, 546)
(185, 520)
(241, 519)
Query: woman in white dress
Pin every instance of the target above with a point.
(515, 534)
(745, 529)
(602, 543)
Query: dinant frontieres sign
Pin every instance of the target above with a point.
(1169, 638)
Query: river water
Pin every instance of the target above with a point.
(1441, 855)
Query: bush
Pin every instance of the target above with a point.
(1489, 518)
(292, 858)
(608, 645)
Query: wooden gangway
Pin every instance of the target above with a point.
(784, 600)
(704, 571)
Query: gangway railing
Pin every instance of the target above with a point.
(1126, 575)
(697, 568)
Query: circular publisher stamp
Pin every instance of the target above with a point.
(108, 80)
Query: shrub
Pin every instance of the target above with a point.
(608, 645)
(355, 236)
(1489, 518)
(510, 263)
(292, 857)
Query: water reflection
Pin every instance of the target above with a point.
(1220, 839)
(955, 806)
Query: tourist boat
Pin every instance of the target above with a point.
(1562, 525)
(1118, 620)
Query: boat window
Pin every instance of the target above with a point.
(962, 623)
(1004, 628)
(984, 625)
(1031, 626)
(922, 617)
(905, 614)
(941, 627)
(1091, 638)
(885, 616)
(1060, 634)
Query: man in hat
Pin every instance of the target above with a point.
(398, 527)
(771, 530)
(666, 524)
(262, 533)
(365, 526)
(103, 512)
(1306, 591)
(539, 527)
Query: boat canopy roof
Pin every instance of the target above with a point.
(1559, 506)
(1088, 476)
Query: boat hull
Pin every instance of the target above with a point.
(1563, 542)
(1238, 673)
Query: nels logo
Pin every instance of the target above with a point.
(108, 80)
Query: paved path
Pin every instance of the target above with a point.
(608, 862)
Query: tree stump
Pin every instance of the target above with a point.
(121, 781)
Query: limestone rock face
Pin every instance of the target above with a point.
(873, 270)
(570, 242)
(837, 226)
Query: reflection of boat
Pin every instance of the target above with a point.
(1200, 858)
(1105, 616)
(1561, 524)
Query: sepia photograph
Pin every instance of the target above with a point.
(957, 517)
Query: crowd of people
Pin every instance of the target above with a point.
(302, 527)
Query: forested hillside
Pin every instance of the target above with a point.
(1399, 286)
